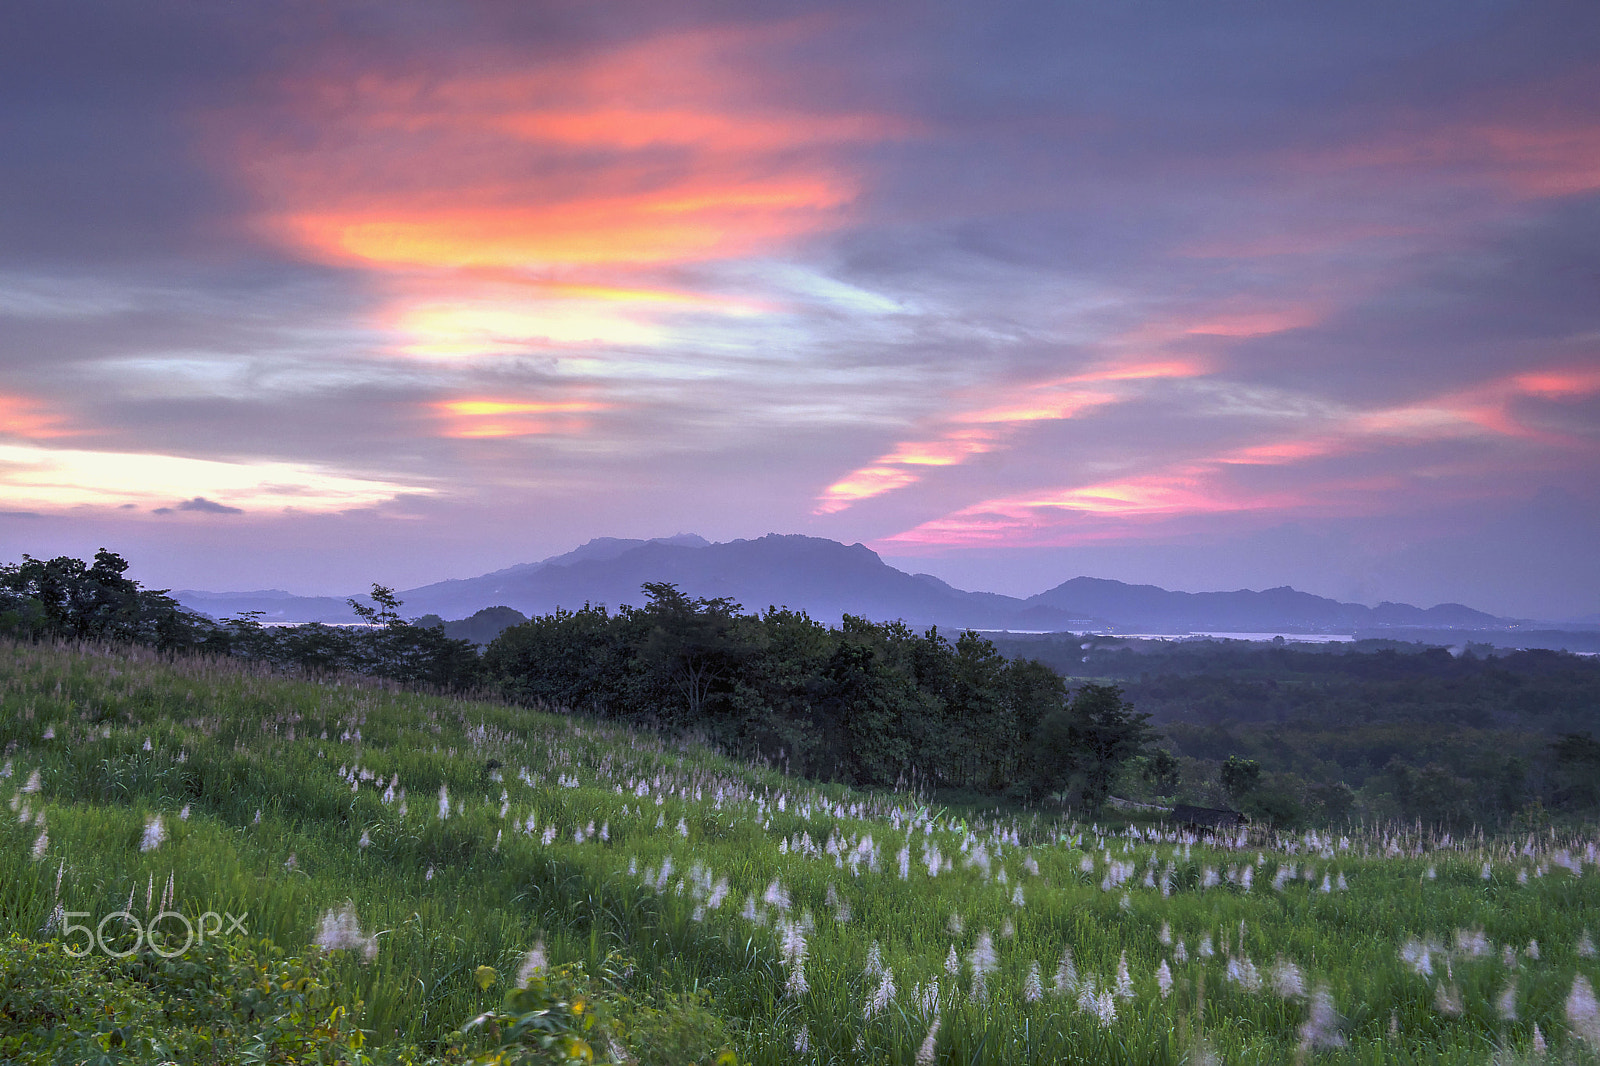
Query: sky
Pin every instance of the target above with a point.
(1211, 296)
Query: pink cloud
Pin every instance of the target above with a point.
(26, 418)
(1140, 504)
(993, 417)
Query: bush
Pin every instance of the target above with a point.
(248, 1001)
(226, 1001)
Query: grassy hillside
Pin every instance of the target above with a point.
(714, 904)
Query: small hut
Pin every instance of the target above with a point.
(1207, 818)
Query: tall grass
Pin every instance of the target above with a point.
(281, 799)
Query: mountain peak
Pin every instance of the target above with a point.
(829, 579)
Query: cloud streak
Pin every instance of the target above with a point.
(1208, 486)
(64, 478)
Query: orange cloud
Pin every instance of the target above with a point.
(561, 166)
(1140, 371)
(1559, 384)
(1257, 323)
(984, 428)
(546, 288)
(952, 449)
(1269, 238)
(568, 180)
(1553, 158)
(635, 128)
(469, 419)
(862, 484)
(476, 321)
(1040, 403)
(686, 220)
(1115, 510)
(1483, 410)
(1155, 495)
(1541, 142)
(486, 312)
(1284, 452)
(60, 479)
(1494, 407)
(1232, 319)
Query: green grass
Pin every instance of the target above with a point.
(445, 896)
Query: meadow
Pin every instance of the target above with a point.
(408, 841)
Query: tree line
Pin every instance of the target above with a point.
(68, 599)
(871, 704)
(1373, 729)
(868, 703)
(1290, 736)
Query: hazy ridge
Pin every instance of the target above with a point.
(828, 579)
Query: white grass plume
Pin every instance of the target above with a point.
(1583, 1014)
(341, 931)
(533, 963)
(1321, 1028)
(154, 833)
(927, 1054)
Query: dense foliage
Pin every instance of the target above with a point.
(867, 703)
(236, 999)
(66, 598)
(1375, 729)
(219, 1001)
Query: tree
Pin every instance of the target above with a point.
(567, 659)
(393, 647)
(1577, 770)
(1275, 801)
(978, 700)
(1086, 745)
(695, 646)
(1161, 770)
(1240, 777)
(864, 712)
(1333, 801)
(69, 599)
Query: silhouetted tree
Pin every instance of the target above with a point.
(69, 599)
(696, 646)
(1087, 744)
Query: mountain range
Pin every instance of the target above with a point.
(828, 579)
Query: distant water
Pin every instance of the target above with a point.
(1288, 638)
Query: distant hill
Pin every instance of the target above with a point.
(828, 579)
(481, 628)
(274, 605)
(1146, 608)
(823, 577)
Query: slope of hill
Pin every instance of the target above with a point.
(428, 854)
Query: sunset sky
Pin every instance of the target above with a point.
(1209, 296)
